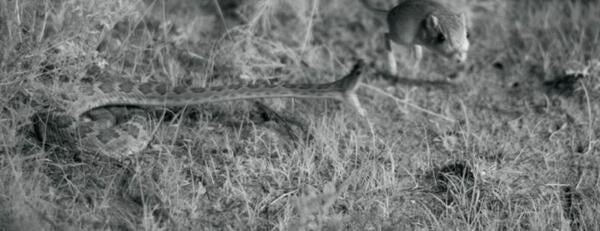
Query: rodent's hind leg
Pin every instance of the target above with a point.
(417, 52)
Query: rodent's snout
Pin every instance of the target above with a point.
(460, 57)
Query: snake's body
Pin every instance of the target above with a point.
(97, 121)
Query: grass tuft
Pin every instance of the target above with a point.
(510, 145)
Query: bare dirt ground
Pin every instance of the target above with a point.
(507, 142)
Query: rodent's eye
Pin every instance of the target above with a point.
(440, 38)
(468, 35)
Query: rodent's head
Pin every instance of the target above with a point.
(446, 34)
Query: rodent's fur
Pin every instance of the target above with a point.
(425, 23)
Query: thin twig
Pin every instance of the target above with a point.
(418, 108)
(222, 16)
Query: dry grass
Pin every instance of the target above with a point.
(510, 145)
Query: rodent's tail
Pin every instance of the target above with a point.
(378, 12)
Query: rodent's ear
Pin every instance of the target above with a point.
(432, 23)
